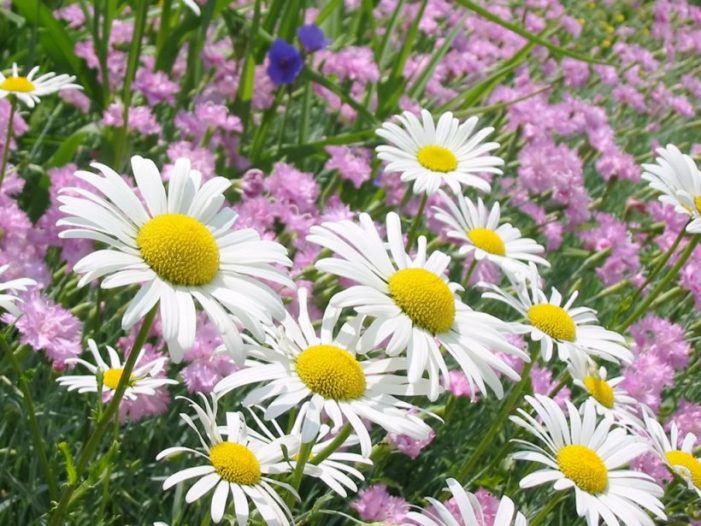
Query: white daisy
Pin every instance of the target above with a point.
(675, 452)
(181, 248)
(608, 396)
(143, 380)
(239, 465)
(589, 457)
(7, 301)
(432, 155)
(573, 330)
(325, 369)
(193, 6)
(679, 179)
(479, 232)
(413, 305)
(29, 89)
(469, 509)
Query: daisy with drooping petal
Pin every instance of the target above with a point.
(8, 301)
(608, 396)
(678, 178)
(432, 154)
(238, 465)
(478, 231)
(572, 330)
(298, 365)
(590, 458)
(469, 509)
(181, 248)
(675, 452)
(412, 304)
(143, 380)
(29, 89)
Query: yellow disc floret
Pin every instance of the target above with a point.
(553, 321)
(332, 372)
(437, 158)
(111, 377)
(424, 297)
(697, 202)
(488, 240)
(600, 390)
(583, 466)
(17, 84)
(688, 462)
(179, 249)
(235, 463)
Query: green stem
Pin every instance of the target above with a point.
(417, 220)
(333, 445)
(547, 509)
(31, 414)
(469, 273)
(662, 285)
(105, 421)
(8, 138)
(302, 458)
(489, 438)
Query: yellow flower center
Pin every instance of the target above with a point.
(697, 202)
(685, 460)
(600, 390)
(17, 84)
(235, 463)
(584, 467)
(437, 158)
(111, 377)
(488, 240)
(424, 297)
(553, 321)
(332, 372)
(179, 249)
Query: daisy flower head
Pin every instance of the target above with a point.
(142, 382)
(478, 231)
(29, 89)
(557, 324)
(8, 300)
(432, 155)
(237, 461)
(325, 373)
(675, 451)
(412, 304)
(677, 177)
(469, 509)
(590, 458)
(181, 248)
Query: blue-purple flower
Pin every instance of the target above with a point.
(284, 63)
(312, 38)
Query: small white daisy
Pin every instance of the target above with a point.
(325, 369)
(8, 301)
(143, 380)
(469, 509)
(608, 396)
(678, 178)
(478, 231)
(29, 89)
(590, 458)
(432, 155)
(238, 465)
(181, 248)
(573, 330)
(412, 304)
(675, 452)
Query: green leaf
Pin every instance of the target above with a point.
(310, 74)
(65, 153)
(327, 10)
(70, 465)
(58, 45)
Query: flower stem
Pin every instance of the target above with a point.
(31, 415)
(547, 509)
(662, 285)
(337, 442)
(8, 138)
(489, 437)
(302, 458)
(105, 421)
(417, 220)
(470, 270)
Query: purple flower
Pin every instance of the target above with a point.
(312, 37)
(284, 63)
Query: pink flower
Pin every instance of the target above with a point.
(374, 503)
(353, 164)
(409, 446)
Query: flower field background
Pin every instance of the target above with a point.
(406, 262)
